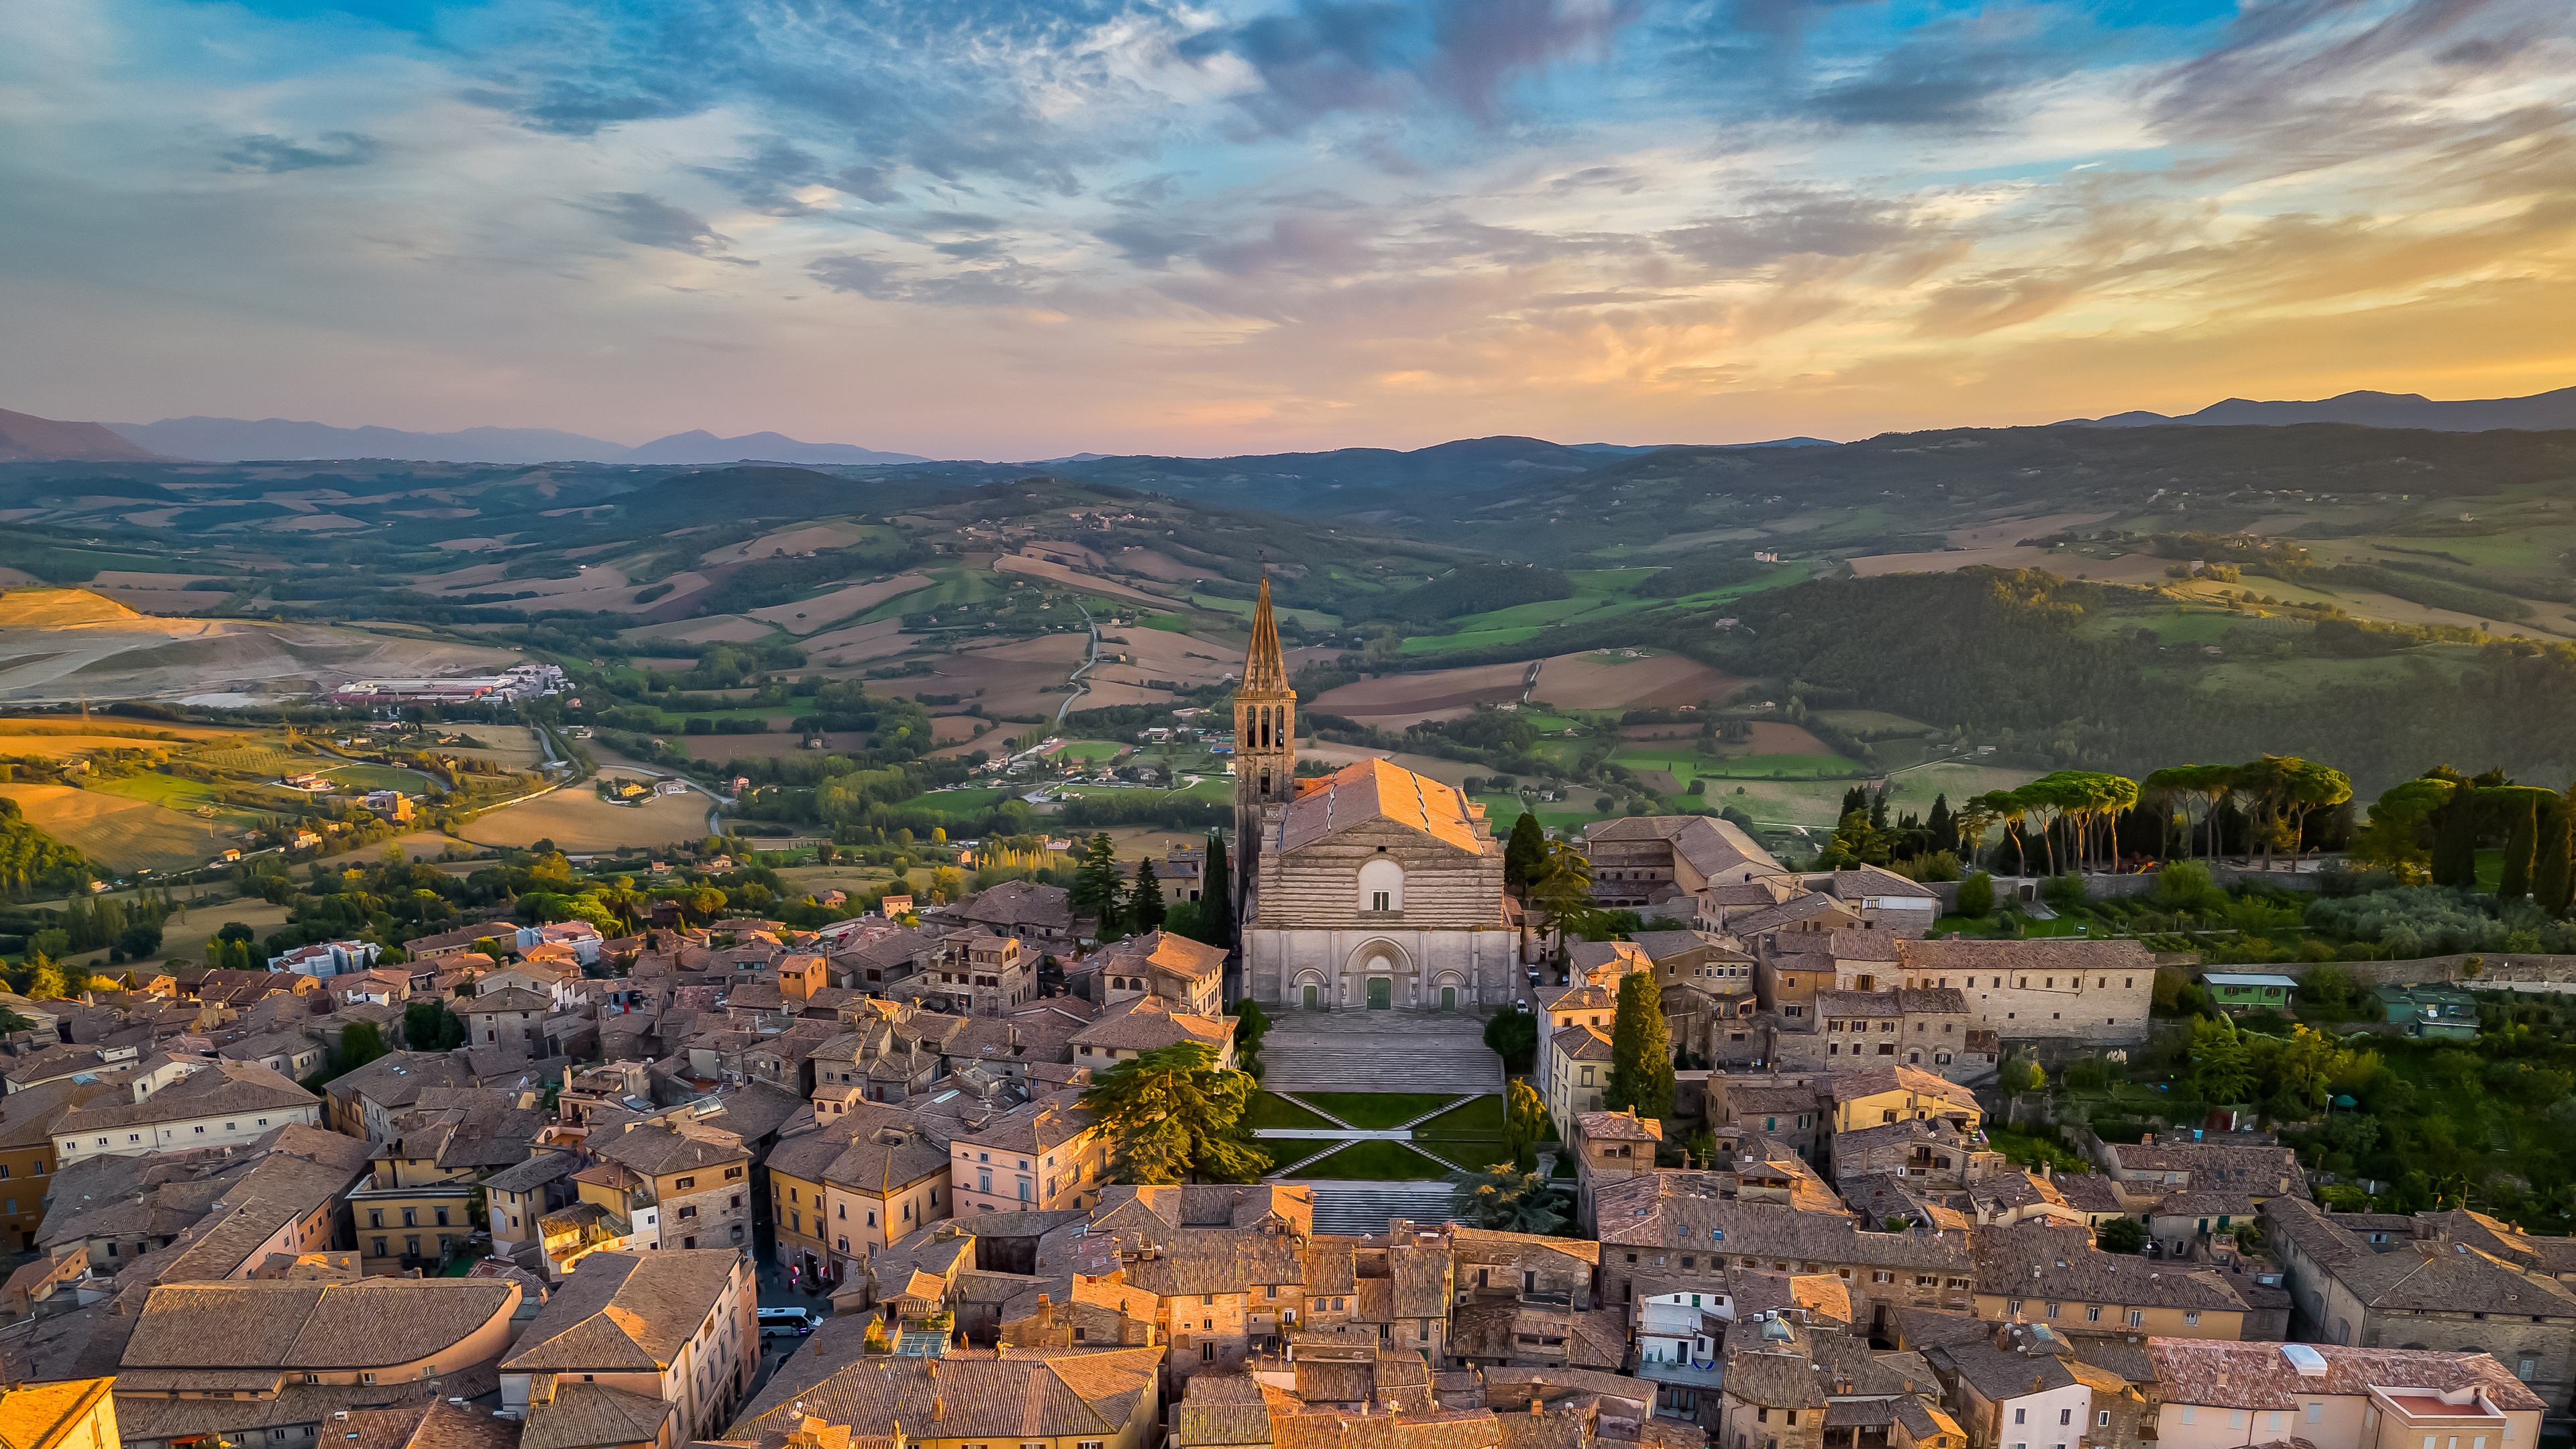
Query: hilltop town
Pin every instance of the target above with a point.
(1357, 1122)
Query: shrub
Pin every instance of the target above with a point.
(2064, 892)
(1977, 895)
(2121, 1235)
(2186, 885)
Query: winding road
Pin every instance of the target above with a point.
(1080, 688)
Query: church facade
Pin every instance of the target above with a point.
(1367, 889)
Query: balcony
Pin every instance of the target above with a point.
(1682, 1375)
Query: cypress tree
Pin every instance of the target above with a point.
(1095, 890)
(1524, 854)
(1641, 1050)
(2455, 840)
(1854, 798)
(2519, 846)
(2552, 878)
(1145, 898)
(1943, 829)
(1878, 811)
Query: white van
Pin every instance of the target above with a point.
(787, 1322)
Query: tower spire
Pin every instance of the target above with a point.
(1264, 670)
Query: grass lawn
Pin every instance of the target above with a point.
(1269, 1109)
(1375, 1111)
(1475, 1117)
(956, 804)
(1089, 751)
(1376, 1162)
(1678, 758)
(377, 777)
(2028, 1149)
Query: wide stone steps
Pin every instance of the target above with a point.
(1362, 1208)
(1371, 1062)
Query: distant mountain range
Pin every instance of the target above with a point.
(233, 440)
(26, 438)
(2540, 412)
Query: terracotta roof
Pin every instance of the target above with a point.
(1177, 954)
(655, 1151)
(310, 1324)
(213, 1089)
(2057, 954)
(1618, 1127)
(1375, 789)
(1149, 1023)
(2257, 1376)
(1713, 847)
(583, 1415)
(624, 1311)
(1004, 1395)
(508, 998)
(1774, 1380)
(2040, 1259)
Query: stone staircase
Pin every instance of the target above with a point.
(1359, 1208)
(1379, 1051)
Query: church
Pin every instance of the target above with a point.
(1367, 889)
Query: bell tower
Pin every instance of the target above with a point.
(1265, 748)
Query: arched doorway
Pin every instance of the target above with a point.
(1381, 993)
(1306, 996)
(1448, 998)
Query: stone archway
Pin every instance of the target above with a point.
(1377, 961)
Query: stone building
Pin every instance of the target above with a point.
(1369, 888)
(2440, 1292)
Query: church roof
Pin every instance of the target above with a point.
(1376, 790)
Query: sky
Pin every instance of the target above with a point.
(973, 228)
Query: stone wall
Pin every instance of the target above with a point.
(2102, 887)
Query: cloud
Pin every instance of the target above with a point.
(767, 179)
(1792, 223)
(1321, 58)
(648, 221)
(275, 154)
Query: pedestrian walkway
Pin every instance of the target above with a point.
(1379, 1051)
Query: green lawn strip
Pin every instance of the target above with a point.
(1269, 1109)
(1288, 1155)
(1375, 1162)
(1467, 1155)
(1091, 751)
(1474, 1118)
(1378, 1111)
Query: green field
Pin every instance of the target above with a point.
(1451, 643)
(1751, 767)
(949, 587)
(1677, 756)
(1870, 721)
(376, 777)
(957, 804)
(1242, 608)
(1092, 751)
